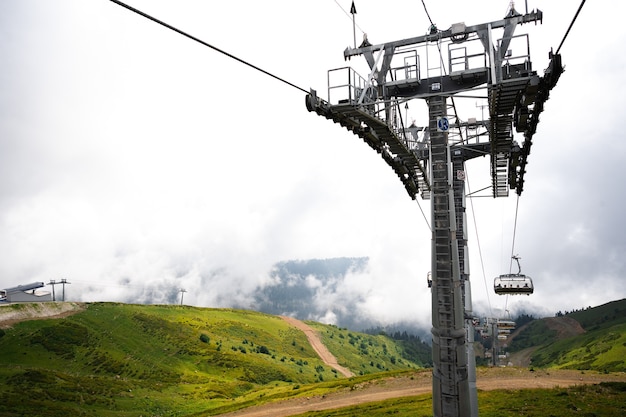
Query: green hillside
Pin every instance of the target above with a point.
(353, 347)
(602, 347)
(118, 359)
(601, 350)
(601, 317)
(534, 334)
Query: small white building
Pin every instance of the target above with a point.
(25, 294)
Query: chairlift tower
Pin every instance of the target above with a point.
(430, 161)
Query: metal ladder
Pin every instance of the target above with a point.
(450, 382)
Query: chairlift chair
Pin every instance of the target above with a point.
(513, 283)
(505, 324)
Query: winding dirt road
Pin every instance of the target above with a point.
(421, 383)
(418, 383)
(318, 346)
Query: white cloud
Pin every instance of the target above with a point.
(137, 162)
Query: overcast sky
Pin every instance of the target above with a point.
(134, 161)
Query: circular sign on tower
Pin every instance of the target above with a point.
(443, 125)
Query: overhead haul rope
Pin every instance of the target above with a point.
(397, 106)
(424, 215)
(570, 25)
(514, 233)
(180, 32)
(187, 35)
(427, 14)
(506, 300)
(517, 202)
(480, 252)
(432, 25)
(399, 112)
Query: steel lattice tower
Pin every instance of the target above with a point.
(432, 165)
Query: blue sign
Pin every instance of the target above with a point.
(443, 124)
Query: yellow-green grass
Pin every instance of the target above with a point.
(131, 360)
(370, 353)
(601, 400)
(602, 350)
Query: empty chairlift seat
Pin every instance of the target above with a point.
(513, 284)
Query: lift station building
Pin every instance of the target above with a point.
(25, 294)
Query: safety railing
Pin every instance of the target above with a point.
(346, 86)
(517, 56)
(410, 70)
(469, 56)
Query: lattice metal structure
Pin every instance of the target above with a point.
(429, 161)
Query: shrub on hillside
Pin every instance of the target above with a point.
(263, 349)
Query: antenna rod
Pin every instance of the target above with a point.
(353, 12)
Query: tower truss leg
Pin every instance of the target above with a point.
(451, 388)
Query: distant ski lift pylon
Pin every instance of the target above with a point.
(513, 283)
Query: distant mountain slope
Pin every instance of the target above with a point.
(303, 288)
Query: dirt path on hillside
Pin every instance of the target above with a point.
(522, 357)
(15, 313)
(318, 346)
(564, 326)
(421, 383)
(417, 383)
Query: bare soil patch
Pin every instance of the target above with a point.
(421, 383)
(11, 314)
(522, 357)
(564, 326)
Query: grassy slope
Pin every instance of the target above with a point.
(129, 360)
(536, 333)
(119, 359)
(604, 316)
(604, 400)
(369, 353)
(601, 348)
